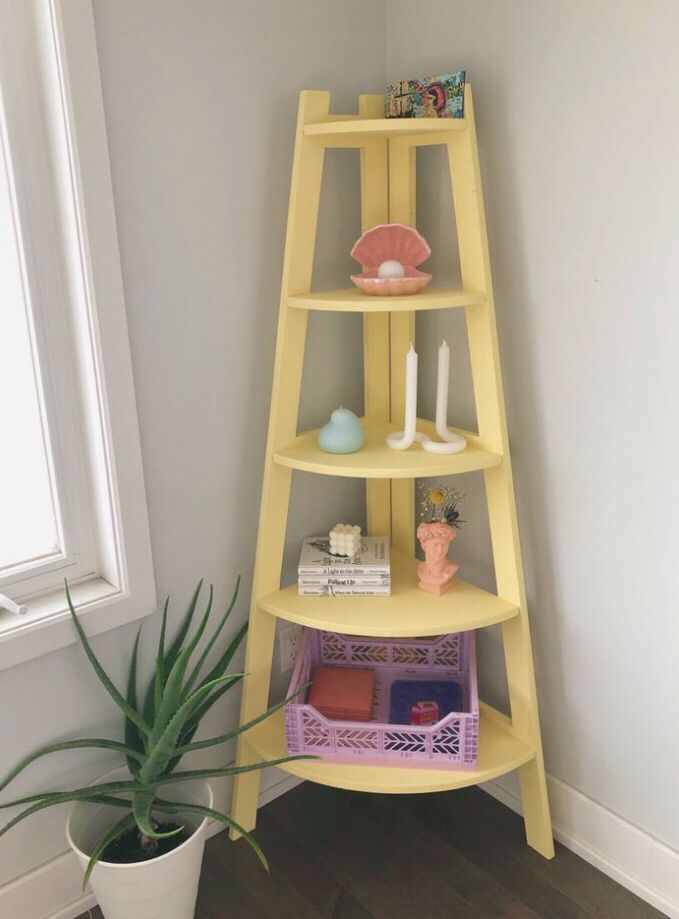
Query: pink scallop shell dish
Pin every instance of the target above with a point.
(391, 242)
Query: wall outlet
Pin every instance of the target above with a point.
(288, 645)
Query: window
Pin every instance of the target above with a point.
(31, 532)
(71, 488)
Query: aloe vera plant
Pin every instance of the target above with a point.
(159, 731)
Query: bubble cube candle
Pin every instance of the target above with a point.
(345, 539)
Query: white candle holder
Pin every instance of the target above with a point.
(450, 442)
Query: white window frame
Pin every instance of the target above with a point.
(51, 93)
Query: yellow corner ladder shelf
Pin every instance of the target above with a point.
(387, 149)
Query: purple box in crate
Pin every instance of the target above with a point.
(451, 742)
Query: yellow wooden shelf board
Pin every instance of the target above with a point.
(376, 461)
(500, 751)
(384, 127)
(351, 300)
(409, 611)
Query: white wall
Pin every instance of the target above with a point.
(576, 112)
(201, 102)
(576, 106)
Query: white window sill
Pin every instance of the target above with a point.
(47, 626)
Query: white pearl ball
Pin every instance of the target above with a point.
(391, 269)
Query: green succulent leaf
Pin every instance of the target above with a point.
(179, 639)
(104, 678)
(210, 644)
(224, 738)
(202, 710)
(132, 735)
(172, 692)
(193, 722)
(181, 807)
(132, 673)
(158, 682)
(75, 794)
(216, 672)
(155, 687)
(164, 750)
(161, 638)
(125, 823)
(227, 656)
(166, 660)
(229, 770)
(43, 805)
(84, 743)
(141, 808)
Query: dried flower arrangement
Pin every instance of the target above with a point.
(440, 503)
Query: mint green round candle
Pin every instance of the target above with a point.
(342, 434)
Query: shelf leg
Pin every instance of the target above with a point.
(536, 816)
(375, 210)
(402, 209)
(305, 189)
(261, 635)
(486, 373)
(525, 721)
(519, 655)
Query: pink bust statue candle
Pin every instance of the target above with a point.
(436, 572)
(440, 508)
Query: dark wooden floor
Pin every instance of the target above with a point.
(342, 855)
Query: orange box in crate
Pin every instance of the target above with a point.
(344, 693)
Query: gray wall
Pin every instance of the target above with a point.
(576, 116)
(201, 102)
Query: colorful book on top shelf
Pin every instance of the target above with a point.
(367, 574)
(441, 96)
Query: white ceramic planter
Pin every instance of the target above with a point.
(161, 888)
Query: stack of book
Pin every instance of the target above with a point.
(367, 574)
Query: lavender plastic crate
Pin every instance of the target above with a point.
(452, 741)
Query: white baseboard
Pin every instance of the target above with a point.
(281, 783)
(628, 855)
(54, 890)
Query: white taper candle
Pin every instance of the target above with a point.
(405, 438)
(442, 388)
(411, 394)
(452, 443)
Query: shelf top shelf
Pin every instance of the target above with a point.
(408, 611)
(351, 300)
(342, 126)
(377, 461)
(500, 751)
